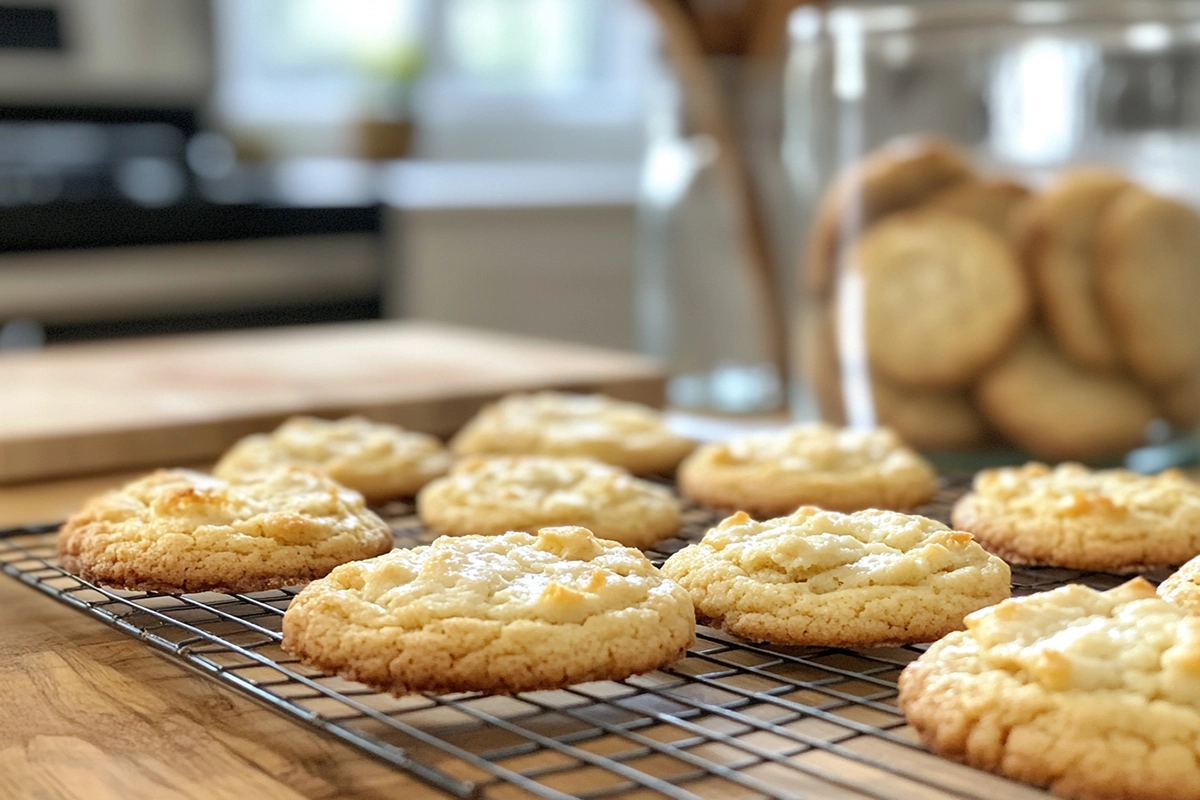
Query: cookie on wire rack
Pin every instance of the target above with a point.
(1074, 517)
(178, 531)
(822, 578)
(491, 496)
(629, 435)
(496, 614)
(773, 473)
(381, 461)
(1092, 694)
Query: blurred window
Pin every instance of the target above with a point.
(498, 78)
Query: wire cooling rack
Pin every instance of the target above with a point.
(731, 720)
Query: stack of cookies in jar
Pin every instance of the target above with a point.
(972, 311)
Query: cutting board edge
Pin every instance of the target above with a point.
(73, 454)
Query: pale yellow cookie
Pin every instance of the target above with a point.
(896, 176)
(1148, 250)
(821, 578)
(1183, 587)
(1056, 410)
(179, 531)
(943, 297)
(509, 613)
(768, 474)
(1091, 694)
(380, 461)
(629, 435)
(490, 496)
(1071, 516)
(1060, 248)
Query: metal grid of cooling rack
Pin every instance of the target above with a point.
(732, 719)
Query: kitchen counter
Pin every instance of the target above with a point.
(90, 713)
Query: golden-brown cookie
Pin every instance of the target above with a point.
(1078, 518)
(820, 578)
(490, 496)
(943, 297)
(930, 419)
(1091, 694)
(896, 176)
(629, 435)
(380, 461)
(992, 202)
(1060, 248)
(179, 531)
(1149, 247)
(817, 347)
(1056, 410)
(510, 613)
(768, 474)
(1181, 403)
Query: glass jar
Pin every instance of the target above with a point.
(1000, 248)
(701, 306)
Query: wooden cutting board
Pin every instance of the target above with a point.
(73, 409)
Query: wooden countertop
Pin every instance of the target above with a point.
(90, 713)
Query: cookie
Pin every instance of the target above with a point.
(929, 419)
(1183, 586)
(1055, 410)
(823, 579)
(380, 461)
(629, 435)
(1060, 248)
(897, 176)
(490, 496)
(817, 347)
(1148, 248)
(1091, 694)
(992, 202)
(768, 474)
(1073, 517)
(943, 298)
(511, 613)
(179, 531)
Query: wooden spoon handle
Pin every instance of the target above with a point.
(711, 115)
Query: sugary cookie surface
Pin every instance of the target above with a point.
(552, 423)
(493, 613)
(835, 468)
(1094, 694)
(1071, 516)
(825, 578)
(178, 530)
(381, 461)
(525, 493)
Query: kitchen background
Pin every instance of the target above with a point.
(520, 165)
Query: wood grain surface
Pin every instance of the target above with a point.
(74, 409)
(91, 714)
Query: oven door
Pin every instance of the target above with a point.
(105, 52)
